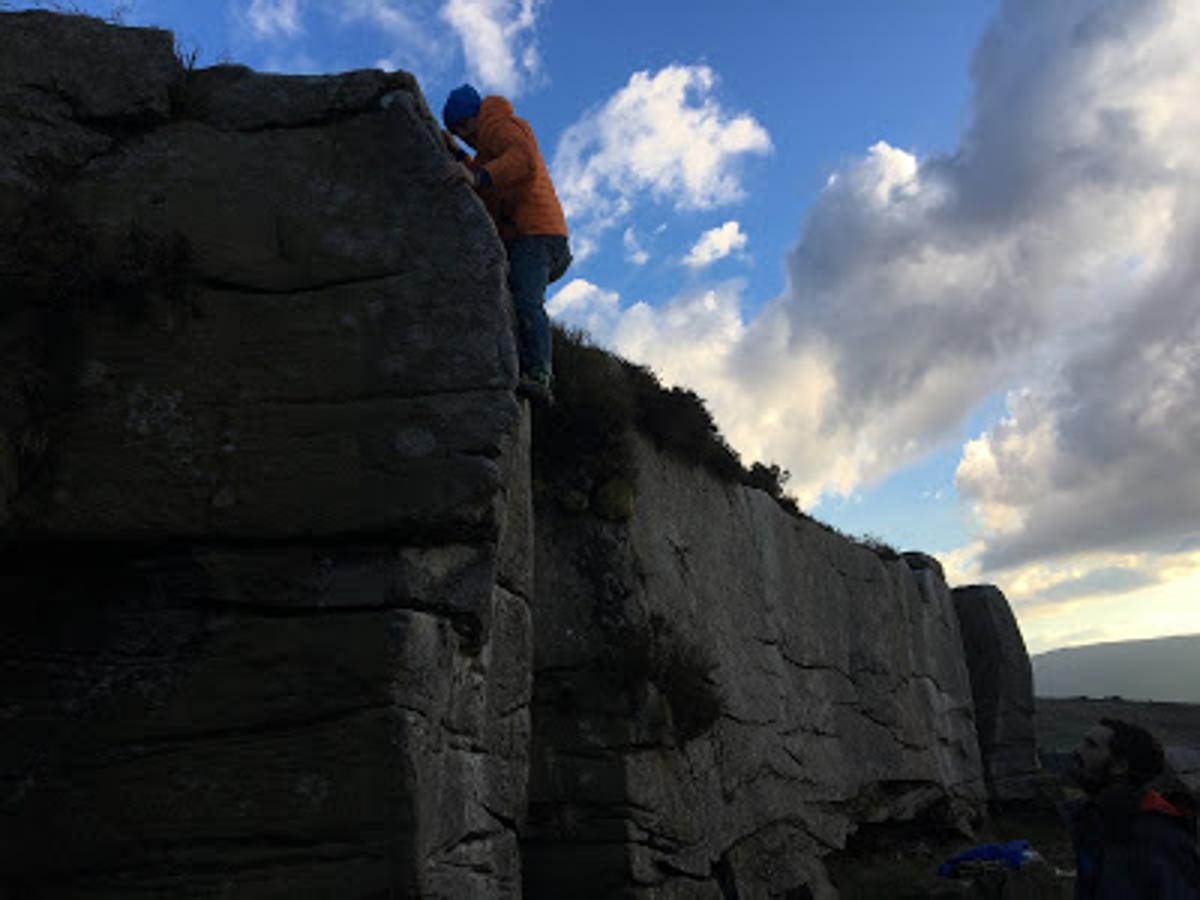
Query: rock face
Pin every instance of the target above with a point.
(1002, 686)
(267, 545)
(724, 693)
(264, 498)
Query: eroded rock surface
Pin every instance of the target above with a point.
(723, 693)
(264, 493)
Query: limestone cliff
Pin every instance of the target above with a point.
(839, 692)
(266, 511)
(282, 618)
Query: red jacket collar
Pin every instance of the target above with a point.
(1156, 802)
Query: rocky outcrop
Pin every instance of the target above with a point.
(267, 543)
(725, 693)
(264, 489)
(1002, 687)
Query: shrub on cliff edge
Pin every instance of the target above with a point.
(583, 441)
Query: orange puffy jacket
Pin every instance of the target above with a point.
(521, 197)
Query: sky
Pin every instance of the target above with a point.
(936, 259)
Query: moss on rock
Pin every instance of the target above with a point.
(615, 500)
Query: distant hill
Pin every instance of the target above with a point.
(1165, 669)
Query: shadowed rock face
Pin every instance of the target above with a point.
(264, 495)
(841, 693)
(1002, 685)
(267, 543)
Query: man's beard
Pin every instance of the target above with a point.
(1091, 782)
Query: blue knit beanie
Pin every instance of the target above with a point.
(462, 103)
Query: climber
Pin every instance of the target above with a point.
(510, 175)
(1135, 831)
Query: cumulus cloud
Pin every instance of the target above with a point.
(401, 25)
(714, 244)
(274, 18)
(498, 39)
(634, 252)
(581, 304)
(1102, 456)
(664, 137)
(1048, 255)
(1119, 595)
(921, 286)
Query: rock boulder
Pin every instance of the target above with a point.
(265, 538)
(1002, 686)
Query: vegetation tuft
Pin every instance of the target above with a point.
(582, 447)
(879, 547)
(584, 441)
(654, 653)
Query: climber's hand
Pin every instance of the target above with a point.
(460, 173)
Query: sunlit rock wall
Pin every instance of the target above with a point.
(840, 689)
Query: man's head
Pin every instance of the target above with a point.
(1113, 752)
(461, 112)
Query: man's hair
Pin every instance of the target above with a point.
(1138, 747)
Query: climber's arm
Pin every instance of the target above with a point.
(517, 159)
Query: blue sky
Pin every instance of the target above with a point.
(934, 258)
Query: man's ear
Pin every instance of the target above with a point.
(1119, 766)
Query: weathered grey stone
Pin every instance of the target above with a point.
(193, 458)
(515, 553)
(216, 739)
(235, 98)
(294, 320)
(264, 495)
(1002, 686)
(98, 71)
(365, 743)
(842, 691)
(297, 209)
(68, 86)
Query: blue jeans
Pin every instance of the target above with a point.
(534, 261)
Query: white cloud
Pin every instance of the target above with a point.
(497, 37)
(1103, 457)
(581, 304)
(634, 252)
(1049, 253)
(274, 18)
(694, 340)
(1113, 596)
(400, 25)
(663, 137)
(499, 41)
(714, 244)
(921, 286)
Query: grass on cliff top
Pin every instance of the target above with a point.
(602, 400)
(583, 442)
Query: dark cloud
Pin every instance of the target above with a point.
(1100, 582)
